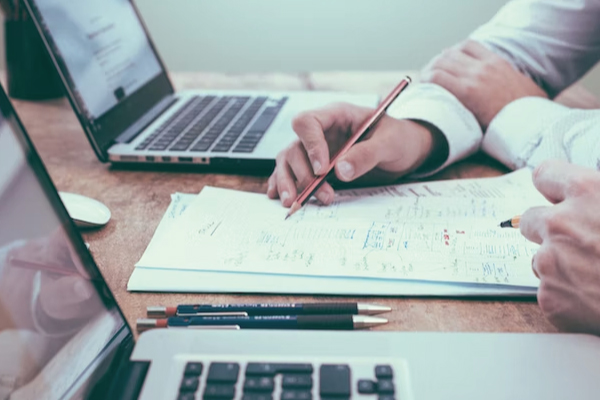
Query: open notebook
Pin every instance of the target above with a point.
(435, 238)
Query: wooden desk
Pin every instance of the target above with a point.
(138, 200)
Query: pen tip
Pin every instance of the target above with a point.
(506, 224)
(295, 207)
(365, 322)
(372, 309)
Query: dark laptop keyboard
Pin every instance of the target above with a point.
(216, 124)
(281, 381)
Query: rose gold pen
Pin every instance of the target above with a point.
(309, 190)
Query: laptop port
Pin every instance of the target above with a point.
(186, 159)
(150, 158)
(129, 158)
(166, 159)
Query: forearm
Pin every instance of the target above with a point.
(531, 130)
(553, 42)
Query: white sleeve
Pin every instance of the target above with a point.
(555, 42)
(531, 130)
(437, 106)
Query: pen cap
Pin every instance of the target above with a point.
(143, 324)
(159, 312)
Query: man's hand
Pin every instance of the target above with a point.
(568, 261)
(482, 80)
(392, 149)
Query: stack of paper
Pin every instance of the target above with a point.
(436, 238)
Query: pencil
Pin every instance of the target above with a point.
(511, 223)
(37, 266)
(309, 190)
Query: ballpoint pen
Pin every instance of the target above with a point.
(333, 322)
(190, 310)
(313, 186)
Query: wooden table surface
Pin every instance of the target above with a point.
(138, 200)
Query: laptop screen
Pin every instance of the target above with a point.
(106, 59)
(57, 317)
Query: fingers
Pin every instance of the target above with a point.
(532, 224)
(476, 50)
(293, 173)
(444, 79)
(311, 126)
(557, 179)
(364, 156)
(286, 188)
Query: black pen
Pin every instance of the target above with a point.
(333, 322)
(192, 310)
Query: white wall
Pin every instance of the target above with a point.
(311, 35)
(305, 35)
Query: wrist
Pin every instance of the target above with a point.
(434, 148)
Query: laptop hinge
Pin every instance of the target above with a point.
(138, 127)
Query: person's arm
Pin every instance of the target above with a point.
(531, 130)
(554, 42)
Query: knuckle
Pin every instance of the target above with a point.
(547, 301)
(436, 77)
(464, 45)
(555, 223)
(544, 262)
(302, 121)
(581, 184)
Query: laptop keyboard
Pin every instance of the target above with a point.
(286, 381)
(216, 124)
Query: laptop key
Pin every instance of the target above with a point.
(296, 395)
(386, 397)
(193, 368)
(297, 382)
(223, 372)
(385, 387)
(384, 372)
(259, 384)
(186, 396)
(257, 396)
(334, 380)
(212, 391)
(366, 386)
(271, 369)
(189, 384)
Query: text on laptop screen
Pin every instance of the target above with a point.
(104, 47)
(53, 321)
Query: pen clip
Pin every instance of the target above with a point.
(215, 314)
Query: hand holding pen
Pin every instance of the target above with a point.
(388, 150)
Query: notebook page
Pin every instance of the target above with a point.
(365, 234)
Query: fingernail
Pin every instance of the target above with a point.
(346, 169)
(270, 189)
(285, 195)
(316, 167)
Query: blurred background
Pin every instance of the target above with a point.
(312, 35)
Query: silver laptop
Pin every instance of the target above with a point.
(120, 90)
(63, 336)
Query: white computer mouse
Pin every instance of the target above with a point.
(85, 211)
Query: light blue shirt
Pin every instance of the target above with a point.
(555, 42)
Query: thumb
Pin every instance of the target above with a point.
(360, 159)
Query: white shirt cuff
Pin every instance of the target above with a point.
(515, 133)
(437, 106)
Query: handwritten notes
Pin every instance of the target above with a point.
(435, 231)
